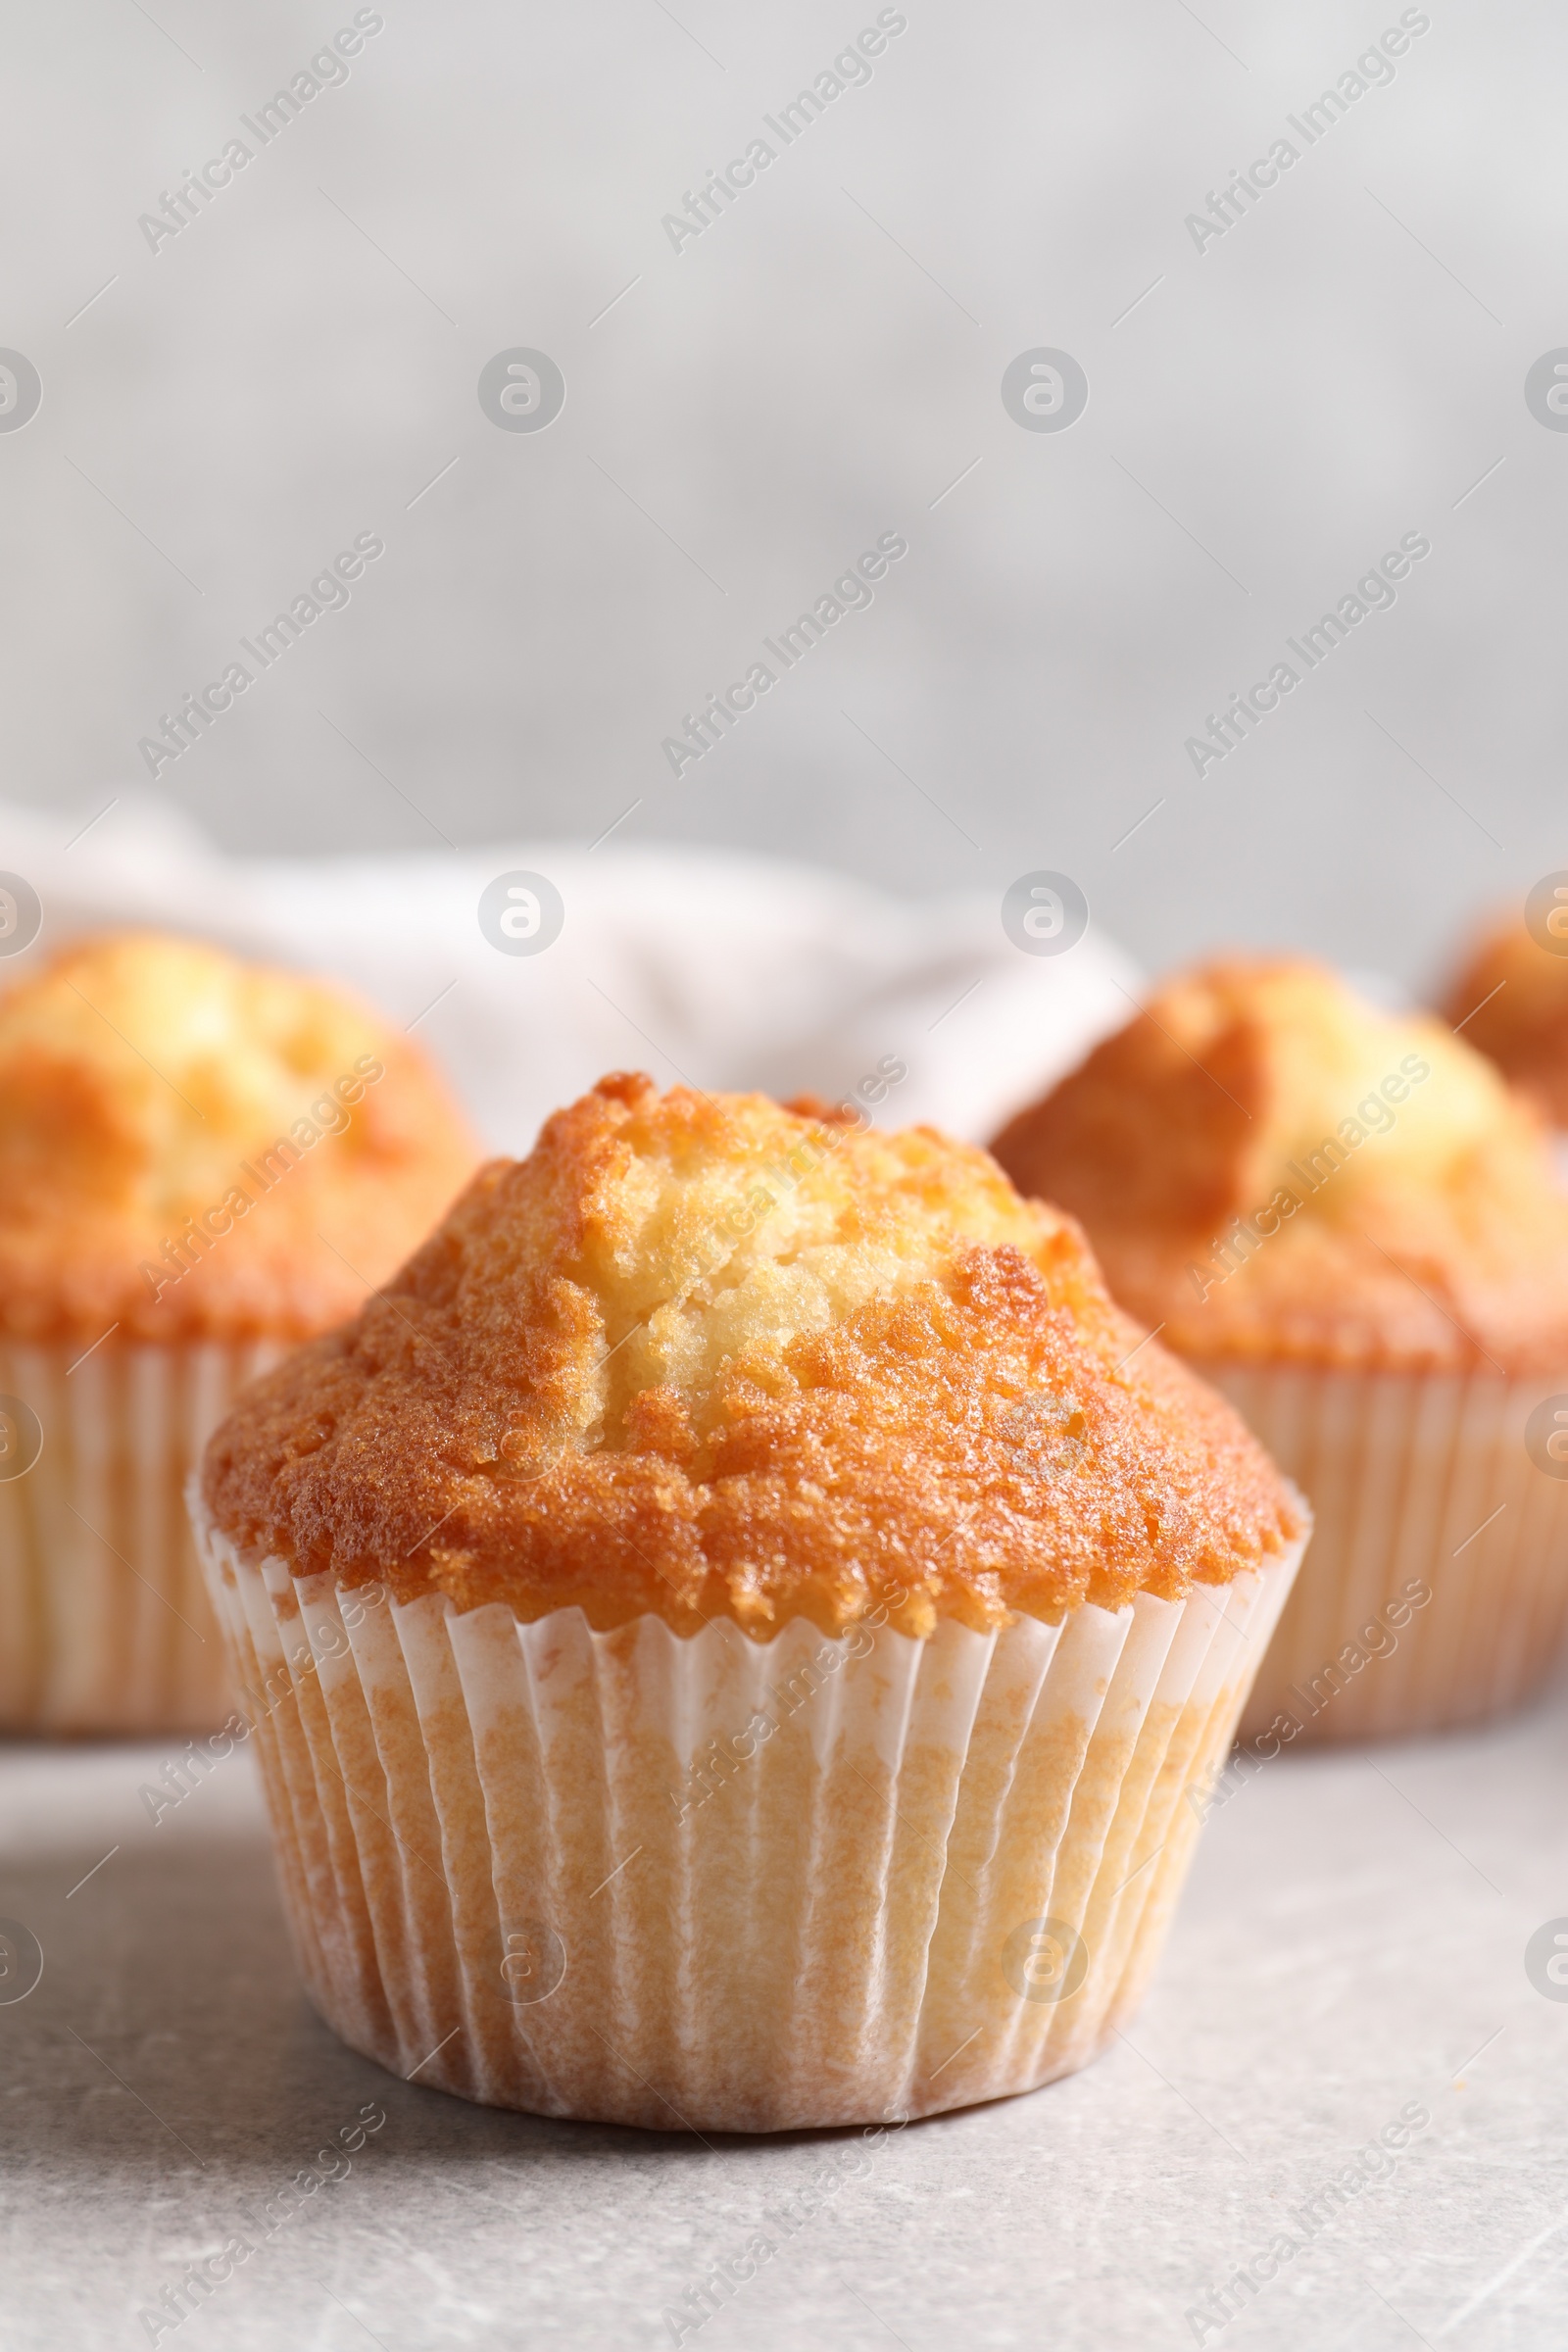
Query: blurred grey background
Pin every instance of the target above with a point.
(822, 365)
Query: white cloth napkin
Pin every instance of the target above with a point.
(722, 969)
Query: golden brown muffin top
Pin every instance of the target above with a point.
(196, 1147)
(1512, 997)
(1269, 1167)
(711, 1357)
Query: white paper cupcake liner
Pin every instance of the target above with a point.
(1419, 1483)
(940, 1873)
(105, 1624)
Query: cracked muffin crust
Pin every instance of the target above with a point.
(1268, 1168)
(710, 1357)
(193, 1146)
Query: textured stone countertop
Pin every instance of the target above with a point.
(1352, 1944)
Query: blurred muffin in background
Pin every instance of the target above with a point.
(1351, 1225)
(202, 1161)
(1511, 998)
(811, 1607)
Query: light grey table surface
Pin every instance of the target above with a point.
(1352, 1941)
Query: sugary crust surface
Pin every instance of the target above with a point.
(710, 1357)
(153, 1091)
(1268, 1168)
(1512, 996)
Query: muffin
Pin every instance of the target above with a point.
(1512, 999)
(728, 1630)
(201, 1162)
(1350, 1225)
